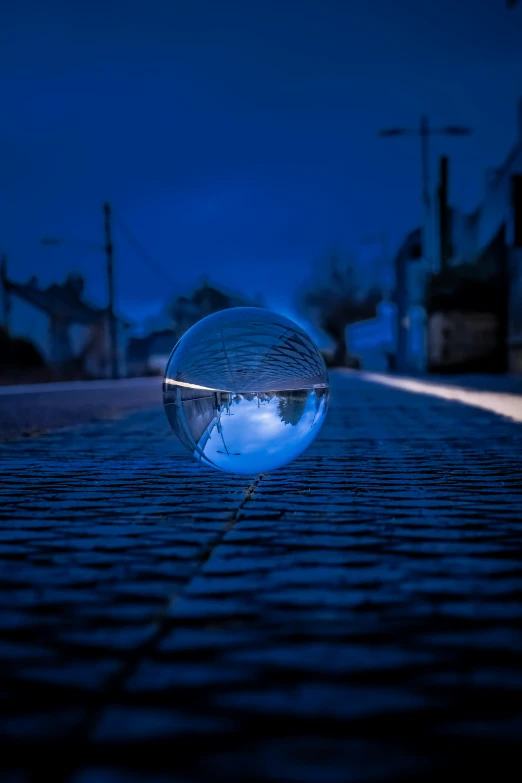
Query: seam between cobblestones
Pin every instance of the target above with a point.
(83, 731)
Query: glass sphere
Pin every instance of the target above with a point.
(245, 390)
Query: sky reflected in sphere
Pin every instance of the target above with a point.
(246, 390)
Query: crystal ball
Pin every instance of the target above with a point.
(245, 390)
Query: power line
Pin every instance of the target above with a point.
(141, 251)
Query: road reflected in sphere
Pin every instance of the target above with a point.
(246, 390)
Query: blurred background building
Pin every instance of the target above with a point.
(461, 310)
(70, 335)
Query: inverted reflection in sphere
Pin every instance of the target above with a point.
(245, 390)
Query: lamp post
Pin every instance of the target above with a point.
(424, 132)
(108, 249)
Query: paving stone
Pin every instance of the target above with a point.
(160, 676)
(108, 775)
(334, 701)
(354, 615)
(114, 638)
(82, 675)
(40, 726)
(127, 724)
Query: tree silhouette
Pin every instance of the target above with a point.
(291, 405)
(17, 352)
(185, 311)
(333, 301)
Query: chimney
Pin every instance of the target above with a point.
(444, 223)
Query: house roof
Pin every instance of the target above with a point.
(411, 247)
(63, 302)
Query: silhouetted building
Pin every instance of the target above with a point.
(468, 309)
(476, 298)
(396, 337)
(71, 333)
(149, 355)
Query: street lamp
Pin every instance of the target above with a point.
(424, 131)
(108, 249)
(60, 241)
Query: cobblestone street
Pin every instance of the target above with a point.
(356, 615)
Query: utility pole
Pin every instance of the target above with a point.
(6, 299)
(424, 131)
(109, 251)
(426, 233)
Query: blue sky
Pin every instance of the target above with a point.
(256, 438)
(238, 139)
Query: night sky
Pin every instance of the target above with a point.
(238, 140)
